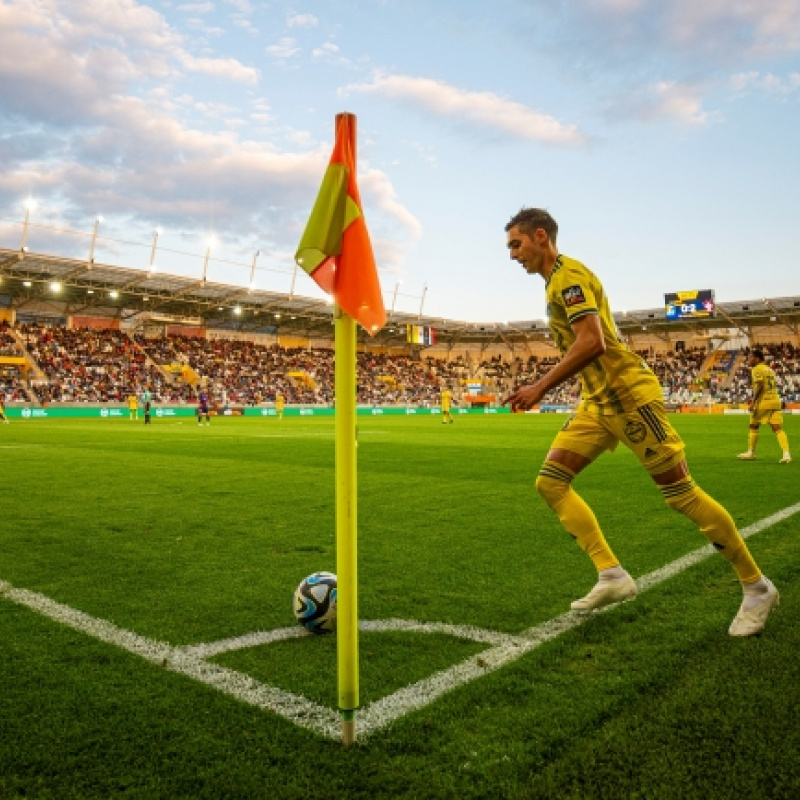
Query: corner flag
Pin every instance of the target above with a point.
(336, 252)
(335, 249)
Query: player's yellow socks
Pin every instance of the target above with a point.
(553, 484)
(715, 524)
(753, 440)
(783, 440)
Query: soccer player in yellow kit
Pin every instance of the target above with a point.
(764, 407)
(446, 400)
(133, 406)
(621, 401)
(3, 417)
(279, 403)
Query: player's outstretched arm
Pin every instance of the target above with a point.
(588, 345)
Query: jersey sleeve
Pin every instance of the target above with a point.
(574, 292)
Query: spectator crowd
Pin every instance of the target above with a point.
(88, 365)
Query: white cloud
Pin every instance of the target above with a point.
(376, 187)
(285, 48)
(483, 109)
(766, 82)
(242, 22)
(196, 8)
(327, 49)
(696, 31)
(242, 6)
(665, 100)
(227, 68)
(124, 143)
(679, 102)
(198, 24)
(302, 21)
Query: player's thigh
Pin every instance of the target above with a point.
(775, 419)
(583, 434)
(649, 434)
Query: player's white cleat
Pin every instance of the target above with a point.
(606, 592)
(748, 456)
(787, 459)
(752, 617)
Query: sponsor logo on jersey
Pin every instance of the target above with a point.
(635, 431)
(573, 296)
(649, 453)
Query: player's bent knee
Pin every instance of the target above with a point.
(553, 482)
(551, 490)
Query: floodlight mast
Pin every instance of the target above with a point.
(29, 206)
(95, 229)
(152, 264)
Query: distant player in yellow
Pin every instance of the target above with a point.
(280, 401)
(446, 400)
(3, 416)
(764, 407)
(133, 406)
(621, 401)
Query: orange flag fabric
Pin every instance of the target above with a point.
(335, 249)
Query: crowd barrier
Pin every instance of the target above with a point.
(160, 412)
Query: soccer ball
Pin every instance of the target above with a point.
(315, 602)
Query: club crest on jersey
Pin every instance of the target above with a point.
(635, 431)
(573, 295)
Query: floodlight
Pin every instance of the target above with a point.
(55, 286)
(113, 294)
(27, 284)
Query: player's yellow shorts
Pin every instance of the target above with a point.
(769, 416)
(646, 431)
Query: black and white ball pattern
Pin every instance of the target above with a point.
(315, 602)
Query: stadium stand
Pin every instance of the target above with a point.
(106, 365)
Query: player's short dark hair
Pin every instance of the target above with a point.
(529, 219)
(757, 353)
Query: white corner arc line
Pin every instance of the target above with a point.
(505, 648)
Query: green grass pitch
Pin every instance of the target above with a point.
(190, 535)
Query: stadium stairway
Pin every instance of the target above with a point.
(35, 371)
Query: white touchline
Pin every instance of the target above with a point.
(504, 649)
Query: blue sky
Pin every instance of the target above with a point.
(663, 136)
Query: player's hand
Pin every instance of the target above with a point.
(525, 397)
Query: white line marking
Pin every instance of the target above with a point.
(297, 709)
(505, 648)
(386, 710)
(241, 642)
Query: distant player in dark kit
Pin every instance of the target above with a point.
(202, 409)
(146, 403)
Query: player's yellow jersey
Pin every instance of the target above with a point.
(447, 396)
(762, 375)
(133, 402)
(617, 381)
(279, 401)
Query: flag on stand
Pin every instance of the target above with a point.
(335, 249)
(420, 334)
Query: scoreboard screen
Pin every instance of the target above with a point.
(689, 305)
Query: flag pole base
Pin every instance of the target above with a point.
(348, 728)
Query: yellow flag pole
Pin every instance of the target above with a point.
(346, 523)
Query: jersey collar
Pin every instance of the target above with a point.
(556, 268)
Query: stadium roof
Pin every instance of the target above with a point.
(86, 287)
